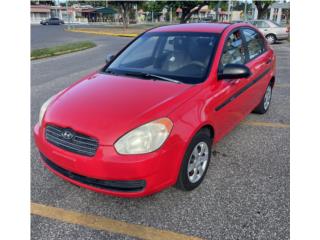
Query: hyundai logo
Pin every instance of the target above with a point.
(67, 134)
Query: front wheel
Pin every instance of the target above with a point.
(195, 162)
(265, 102)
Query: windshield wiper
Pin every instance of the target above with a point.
(152, 76)
(162, 78)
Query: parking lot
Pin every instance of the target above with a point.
(245, 194)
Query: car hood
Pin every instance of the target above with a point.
(107, 106)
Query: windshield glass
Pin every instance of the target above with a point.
(182, 56)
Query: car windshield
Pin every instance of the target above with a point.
(179, 56)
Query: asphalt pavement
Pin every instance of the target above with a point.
(245, 194)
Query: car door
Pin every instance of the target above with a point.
(264, 27)
(227, 103)
(259, 60)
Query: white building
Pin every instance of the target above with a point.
(275, 12)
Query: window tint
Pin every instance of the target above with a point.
(233, 51)
(254, 42)
(137, 54)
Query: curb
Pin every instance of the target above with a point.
(104, 33)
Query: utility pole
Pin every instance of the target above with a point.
(229, 9)
(245, 10)
(152, 15)
(55, 6)
(217, 11)
(68, 15)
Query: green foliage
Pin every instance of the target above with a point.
(37, 2)
(92, 3)
(153, 6)
(186, 7)
(125, 7)
(220, 4)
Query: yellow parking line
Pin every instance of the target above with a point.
(104, 33)
(106, 224)
(265, 124)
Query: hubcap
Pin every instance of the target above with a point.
(198, 162)
(270, 39)
(267, 98)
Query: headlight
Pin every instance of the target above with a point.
(146, 138)
(44, 109)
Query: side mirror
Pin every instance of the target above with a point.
(109, 58)
(234, 71)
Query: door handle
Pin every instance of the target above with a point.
(268, 61)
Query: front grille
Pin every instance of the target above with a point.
(112, 185)
(73, 142)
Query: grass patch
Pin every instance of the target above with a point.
(61, 49)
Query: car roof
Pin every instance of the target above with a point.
(193, 27)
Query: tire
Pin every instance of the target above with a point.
(271, 38)
(189, 180)
(264, 104)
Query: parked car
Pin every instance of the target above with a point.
(272, 31)
(52, 21)
(148, 119)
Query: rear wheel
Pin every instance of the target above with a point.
(271, 38)
(265, 102)
(195, 162)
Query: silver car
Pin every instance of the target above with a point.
(272, 31)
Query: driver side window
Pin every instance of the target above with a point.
(234, 51)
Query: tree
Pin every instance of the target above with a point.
(188, 8)
(223, 5)
(125, 7)
(155, 7)
(262, 7)
(38, 2)
(91, 3)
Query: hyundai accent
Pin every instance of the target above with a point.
(149, 118)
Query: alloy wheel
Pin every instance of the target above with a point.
(267, 98)
(198, 162)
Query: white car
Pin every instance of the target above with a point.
(272, 31)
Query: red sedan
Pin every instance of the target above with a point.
(149, 118)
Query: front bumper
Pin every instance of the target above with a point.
(110, 173)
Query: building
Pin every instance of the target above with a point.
(278, 12)
(73, 14)
(40, 12)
